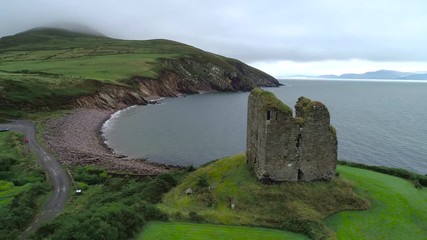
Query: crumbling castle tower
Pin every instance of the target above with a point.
(281, 147)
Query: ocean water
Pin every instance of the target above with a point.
(377, 122)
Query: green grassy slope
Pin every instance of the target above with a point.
(299, 207)
(399, 211)
(22, 182)
(45, 68)
(76, 55)
(191, 231)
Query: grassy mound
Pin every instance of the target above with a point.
(191, 231)
(271, 101)
(300, 207)
(399, 210)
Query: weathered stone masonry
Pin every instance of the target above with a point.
(281, 147)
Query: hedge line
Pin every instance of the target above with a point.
(418, 179)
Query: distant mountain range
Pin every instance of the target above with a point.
(381, 74)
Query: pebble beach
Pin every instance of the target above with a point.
(75, 139)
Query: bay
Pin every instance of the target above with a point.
(377, 122)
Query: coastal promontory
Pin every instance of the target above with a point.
(47, 68)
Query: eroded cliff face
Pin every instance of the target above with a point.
(185, 75)
(111, 97)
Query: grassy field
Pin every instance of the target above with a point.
(399, 210)
(60, 55)
(299, 207)
(112, 68)
(192, 231)
(22, 185)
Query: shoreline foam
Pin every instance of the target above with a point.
(108, 124)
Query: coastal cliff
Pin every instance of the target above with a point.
(186, 76)
(48, 68)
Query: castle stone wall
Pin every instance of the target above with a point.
(283, 148)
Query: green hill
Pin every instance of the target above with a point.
(53, 68)
(397, 210)
(299, 207)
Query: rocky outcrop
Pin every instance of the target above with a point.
(112, 97)
(221, 74)
(281, 147)
(185, 75)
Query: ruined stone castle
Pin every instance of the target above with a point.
(281, 147)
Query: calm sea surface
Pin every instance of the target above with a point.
(377, 122)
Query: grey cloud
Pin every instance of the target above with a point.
(301, 30)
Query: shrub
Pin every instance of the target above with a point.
(191, 168)
(208, 197)
(178, 215)
(82, 185)
(153, 213)
(23, 206)
(202, 181)
(116, 214)
(90, 175)
(159, 186)
(313, 229)
(169, 179)
(417, 184)
(194, 217)
(19, 181)
(398, 172)
(113, 184)
(6, 163)
(18, 168)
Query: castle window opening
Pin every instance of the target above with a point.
(300, 174)
(268, 115)
(298, 140)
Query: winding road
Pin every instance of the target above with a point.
(59, 178)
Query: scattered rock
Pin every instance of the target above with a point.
(189, 191)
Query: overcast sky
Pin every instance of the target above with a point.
(281, 37)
